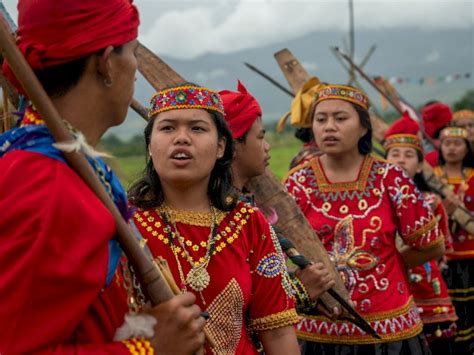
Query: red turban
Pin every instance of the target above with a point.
(404, 125)
(435, 117)
(241, 110)
(52, 32)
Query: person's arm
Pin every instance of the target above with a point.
(417, 225)
(280, 341)
(413, 257)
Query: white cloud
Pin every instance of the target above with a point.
(204, 77)
(228, 26)
(310, 66)
(432, 56)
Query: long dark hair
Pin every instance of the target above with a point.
(467, 162)
(147, 191)
(365, 142)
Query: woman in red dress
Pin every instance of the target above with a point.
(357, 205)
(457, 169)
(404, 147)
(218, 248)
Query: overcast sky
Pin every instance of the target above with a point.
(186, 29)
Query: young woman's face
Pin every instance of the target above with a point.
(407, 158)
(252, 155)
(336, 127)
(453, 150)
(184, 146)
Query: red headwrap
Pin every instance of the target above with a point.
(435, 117)
(241, 110)
(52, 32)
(403, 133)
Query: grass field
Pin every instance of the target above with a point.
(284, 147)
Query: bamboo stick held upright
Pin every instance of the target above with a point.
(154, 284)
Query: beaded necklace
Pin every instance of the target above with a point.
(198, 277)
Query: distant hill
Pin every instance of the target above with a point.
(404, 53)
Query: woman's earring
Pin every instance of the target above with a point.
(108, 82)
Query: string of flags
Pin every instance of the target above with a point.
(428, 80)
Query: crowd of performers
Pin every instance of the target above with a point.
(67, 287)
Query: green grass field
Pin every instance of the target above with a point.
(283, 149)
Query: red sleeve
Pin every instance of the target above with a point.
(443, 223)
(272, 302)
(53, 256)
(417, 225)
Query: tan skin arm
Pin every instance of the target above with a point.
(413, 257)
(280, 341)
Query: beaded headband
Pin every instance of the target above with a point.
(342, 92)
(463, 114)
(403, 140)
(185, 97)
(453, 132)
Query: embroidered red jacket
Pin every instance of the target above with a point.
(463, 242)
(426, 281)
(357, 223)
(249, 287)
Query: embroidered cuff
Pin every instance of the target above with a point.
(139, 346)
(273, 321)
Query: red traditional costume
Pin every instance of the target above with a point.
(59, 288)
(463, 242)
(357, 222)
(460, 272)
(426, 281)
(248, 288)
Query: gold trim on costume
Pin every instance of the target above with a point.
(325, 186)
(277, 320)
(199, 219)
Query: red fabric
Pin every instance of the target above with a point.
(244, 244)
(432, 158)
(52, 32)
(435, 117)
(357, 223)
(463, 242)
(241, 110)
(404, 125)
(426, 281)
(53, 257)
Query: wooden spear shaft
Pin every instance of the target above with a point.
(153, 281)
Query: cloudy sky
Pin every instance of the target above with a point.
(226, 26)
(186, 29)
(207, 42)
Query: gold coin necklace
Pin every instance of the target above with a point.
(198, 277)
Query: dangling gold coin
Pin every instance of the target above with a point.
(198, 279)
